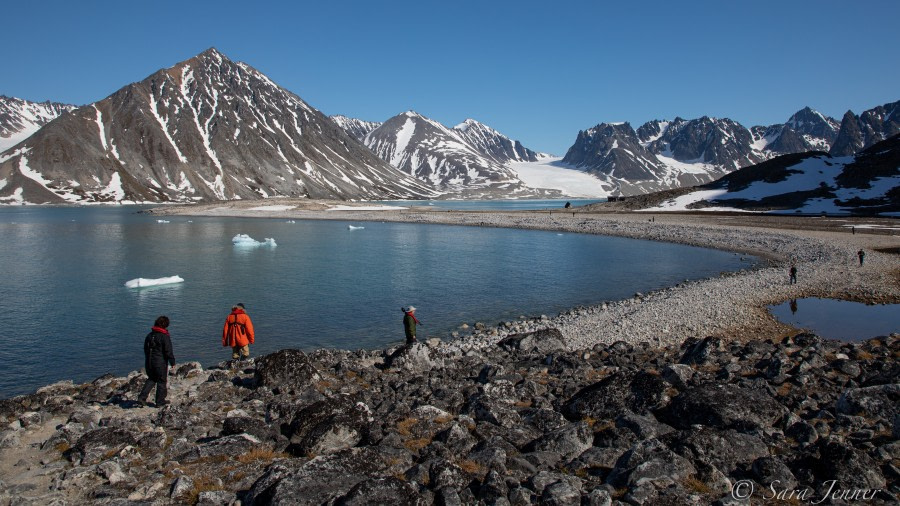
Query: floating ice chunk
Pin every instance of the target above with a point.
(245, 240)
(162, 221)
(351, 227)
(290, 221)
(142, 282)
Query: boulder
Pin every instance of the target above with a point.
(256, 427)
(640, 392)
(328, 426)
(285, 371)
(387, 490)
(650, 462)
(568, 441)
(724, 449)
(93, 447)
(414, 358)
(320, 480)
(227, 446)
(880, 401)
(540, 341)
(724, 406)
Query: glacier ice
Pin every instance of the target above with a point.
(244, 240)
(142, 282)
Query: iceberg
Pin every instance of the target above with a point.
(160, 221)
(351, 227)
(142, 282)
(244, 240)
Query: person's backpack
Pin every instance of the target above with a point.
(233, 326)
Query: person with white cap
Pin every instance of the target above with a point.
(409, 324)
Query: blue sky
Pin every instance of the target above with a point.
(538, 71)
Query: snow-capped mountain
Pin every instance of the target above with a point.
(870, 127)
(205, 129)
(19, 118)
(813, 182)
(670, 154)
(494, 144)
(615, 154)
(445, 158)
(356, 128)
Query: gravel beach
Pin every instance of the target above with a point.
(732, 305)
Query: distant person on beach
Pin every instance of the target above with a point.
(409, 324)
(862, 256)
(157, 356)
(793, 273)
(238, 332)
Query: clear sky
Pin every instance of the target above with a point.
(538, 71)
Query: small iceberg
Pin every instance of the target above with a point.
(142, 282)
(162, 221)
(290, 221)
(351, 227)
(244, 240)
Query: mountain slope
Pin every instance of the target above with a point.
(205, 129)
(444, 158)
(19, 119)
(815, 182)
(492, 143)
(870, 127)
(356, 128)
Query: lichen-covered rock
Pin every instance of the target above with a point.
(328, 426)
(285, 371)
(724, 449)
(639, 392)
(540, 341)
(568, 441)
(724, 406)
(650, 462)
(227, 446)
(388, 490)
(879, 401)
(414, 358)
(96, 445)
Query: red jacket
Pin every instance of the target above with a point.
(238, 330)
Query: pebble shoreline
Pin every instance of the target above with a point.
(732, 305)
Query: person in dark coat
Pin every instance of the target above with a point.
(793, 273)
(409, 324)
(157, 357)
(862, 256)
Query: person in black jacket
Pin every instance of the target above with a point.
(157, 356)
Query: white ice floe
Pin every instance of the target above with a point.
(142, 282)
(271, 208)
(245, 240)
(351, 227)
(162, 221)
(364, 208)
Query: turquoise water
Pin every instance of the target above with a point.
(839, 319)
(66, 314)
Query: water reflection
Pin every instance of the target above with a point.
(839, 319)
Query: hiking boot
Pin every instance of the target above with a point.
(162, 403)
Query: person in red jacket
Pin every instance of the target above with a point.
(238, 332)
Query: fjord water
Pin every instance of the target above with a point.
(66, 314)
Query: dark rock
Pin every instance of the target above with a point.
(96, 445)
(644, 427)
(541, 341)
(832, 459)
(724, 406)
(387, 490)
(679, 375)
(493, 488)
(880, 401)
(568, 441)
(772, 471)
(639, 392)
(328, 426)
(285, 371)
(701, 352)
(457, 438)
(650, 461)
(319, 480)
(253, 426)
(493, 409)
(724, 449)
(414, 358)
(561, 493)
(230, 446)
(544, 420)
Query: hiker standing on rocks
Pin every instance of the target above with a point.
(862, 256)
(409, 324)
(157, 355)
(238, 332)
(793, 274)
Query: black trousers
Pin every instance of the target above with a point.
(156, 378)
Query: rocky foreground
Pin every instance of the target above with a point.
(523, 422)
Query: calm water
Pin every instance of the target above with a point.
(66, 314)
(839, 319)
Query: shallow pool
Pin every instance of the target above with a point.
(839, 319)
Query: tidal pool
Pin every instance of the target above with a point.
(839, 319)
